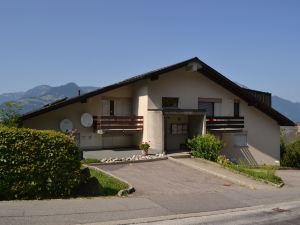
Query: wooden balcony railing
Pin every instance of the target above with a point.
(221, 123)
(118, 123)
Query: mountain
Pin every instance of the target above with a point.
(287, 108)
(36, 91)
(10, 96)
(43, 94)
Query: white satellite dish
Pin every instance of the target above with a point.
(66, 125)
(86, 120)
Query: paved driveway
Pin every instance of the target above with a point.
(181, 189)
(177, 188)
(166, 178)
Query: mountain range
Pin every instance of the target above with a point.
(42, 95)
(45, 94)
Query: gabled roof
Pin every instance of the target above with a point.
(206, 70)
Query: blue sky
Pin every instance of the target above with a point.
(256, 43)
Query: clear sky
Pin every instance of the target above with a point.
(256, 43)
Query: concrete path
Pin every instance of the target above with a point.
(218, 171)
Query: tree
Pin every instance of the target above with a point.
(9, 114)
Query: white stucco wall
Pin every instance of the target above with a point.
(262, 131)
(155, 130)
(88, 138)
(140, 108)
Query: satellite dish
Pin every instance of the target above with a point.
(86, 120)
(66, 125)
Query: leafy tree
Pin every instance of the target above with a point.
(9, 114)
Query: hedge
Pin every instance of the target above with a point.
(37, 164)
(291, 155)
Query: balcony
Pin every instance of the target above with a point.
(118, 123)
(224, 123)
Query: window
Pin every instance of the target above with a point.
(170, 102)
(236, 109)
(111, 107)
(207, 106)
(211, 106)
(178, 128)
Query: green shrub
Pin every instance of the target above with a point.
(37, 164)
(206, 146)
(291, 155)
(223, 160)
(283, 144)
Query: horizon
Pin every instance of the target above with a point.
(91, 86)
(100, 43)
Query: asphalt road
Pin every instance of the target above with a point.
(274, 214)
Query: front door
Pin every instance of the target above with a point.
(176, 133)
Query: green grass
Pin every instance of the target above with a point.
(261, 173)
(89, 161)
(111, 185)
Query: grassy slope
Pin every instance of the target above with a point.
(111, 186)
(261, 173)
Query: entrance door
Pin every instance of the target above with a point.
(176, 130)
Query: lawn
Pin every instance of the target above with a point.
(89, 161)
(111, 185)
(260, 173)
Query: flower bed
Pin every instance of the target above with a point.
(134, 158)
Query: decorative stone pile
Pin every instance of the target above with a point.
(133, 158)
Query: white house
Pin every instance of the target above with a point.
(166, 107)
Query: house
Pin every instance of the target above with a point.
(167, 106)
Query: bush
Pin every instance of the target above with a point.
(283, 144)
(291, 155)
(37, 164)
(223, 160)
(206, 146)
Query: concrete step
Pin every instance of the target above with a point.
(180, 155)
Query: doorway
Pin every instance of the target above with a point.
(179, 128)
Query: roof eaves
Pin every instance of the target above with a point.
(240, 92)
(107, 88)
